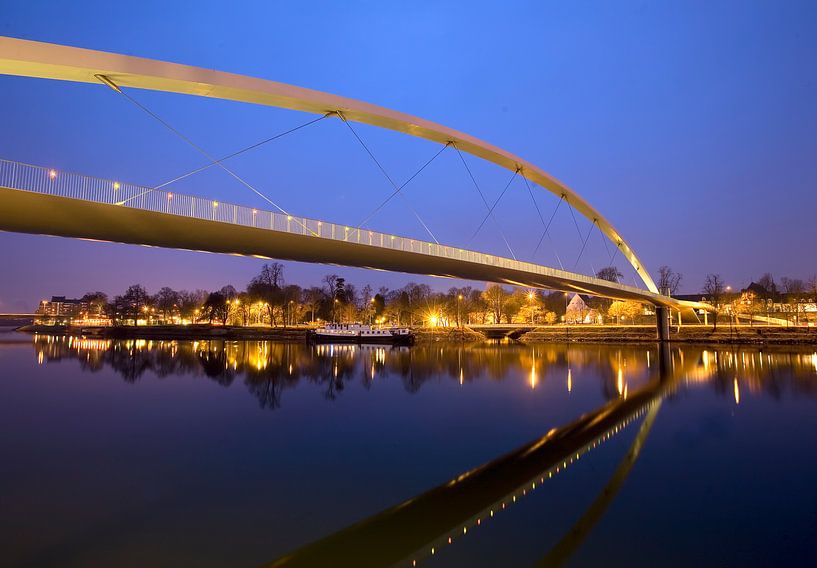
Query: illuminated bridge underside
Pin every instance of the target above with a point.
(38, 213)
(51, 61)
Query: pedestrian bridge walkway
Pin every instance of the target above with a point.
(40, 200)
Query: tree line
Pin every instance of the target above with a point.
(268, 299)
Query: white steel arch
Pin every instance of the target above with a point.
(52, 61)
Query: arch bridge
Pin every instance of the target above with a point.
(40, 200)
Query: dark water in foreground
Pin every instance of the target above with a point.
(209, 453)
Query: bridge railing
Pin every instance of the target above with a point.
(27, 177)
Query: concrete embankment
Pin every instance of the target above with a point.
(758, 335)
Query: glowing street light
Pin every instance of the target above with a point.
(531, 297)
(52, 174)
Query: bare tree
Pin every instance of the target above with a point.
(792, 285)
(668, 280)
(793, 288)
(266, 288)
(767, 283)
(610, 273)
(713, 288)
(166, 301)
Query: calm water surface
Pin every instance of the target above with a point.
(213, 453)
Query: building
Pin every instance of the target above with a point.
(576, 310)
(79, 311)
(62, 306)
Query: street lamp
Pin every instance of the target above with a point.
(459, 299)
(531, 297)
(567, 328)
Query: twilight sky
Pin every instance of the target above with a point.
(690, 125)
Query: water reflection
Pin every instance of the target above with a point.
(631, 380)
(268, 368)
(421, 527)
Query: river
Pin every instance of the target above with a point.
(214, 453)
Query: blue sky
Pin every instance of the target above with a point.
(690, 125)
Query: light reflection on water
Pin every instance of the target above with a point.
(581, 396)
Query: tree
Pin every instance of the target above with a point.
(767, 283)
(367, 302)
(166, 301)
(496, 297)
(610, 273)
(133, 303)
(748, 305)
(668, 280)
(334, 288)
(190, 303)
(242, 306)
(625, 309)
(551, 317)
(216, 308)
(378, 305)
(793, 287)
(519, 306)
(266, 288)
(97, 302)
(291, 297)
(713, 288)
(313, 299)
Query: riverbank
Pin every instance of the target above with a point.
(236, 333)
(169, 332)
(736, 335)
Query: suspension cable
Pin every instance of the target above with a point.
(198, 148)
(546, 225)
(572, 214)
(615, 252)
(491, 210)
(603, 238)
(584, 244)
(485, 201)
(399, 189)
(386, 175)
(243, 150)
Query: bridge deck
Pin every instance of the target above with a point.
(41, 201)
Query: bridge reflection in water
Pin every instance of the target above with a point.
(424, 525)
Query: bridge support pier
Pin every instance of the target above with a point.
(662, 322)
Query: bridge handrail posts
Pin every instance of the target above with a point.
(38, 179)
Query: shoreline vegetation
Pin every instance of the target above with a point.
(621, 334)
(270, 309)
